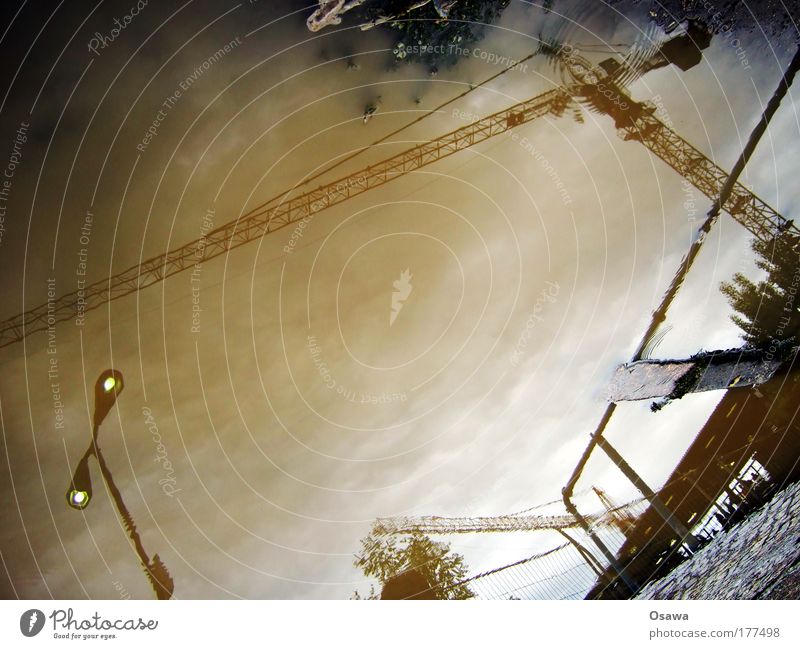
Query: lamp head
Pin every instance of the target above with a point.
(106, 389)
(79, 492)
(78, 499)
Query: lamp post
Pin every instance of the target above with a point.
(79, 493)
(108, 385)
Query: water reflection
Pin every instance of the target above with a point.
(157, 573)
(302, 471)
(648, 546)
(108, 386)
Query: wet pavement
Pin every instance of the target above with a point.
(757, 559)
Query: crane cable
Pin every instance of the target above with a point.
(380, 140)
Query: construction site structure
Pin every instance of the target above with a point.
(620, 517)
(718, 370)
(595, 86)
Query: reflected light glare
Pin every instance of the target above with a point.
(109, 384)
(79, 498)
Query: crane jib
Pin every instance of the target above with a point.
(637, 121)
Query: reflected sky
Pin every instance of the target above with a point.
(440, 344)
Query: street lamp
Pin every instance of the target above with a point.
(79, 493)
(106, 389)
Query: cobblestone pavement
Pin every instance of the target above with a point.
(758, 558)
(786, 587)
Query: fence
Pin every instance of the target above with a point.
(643, 543)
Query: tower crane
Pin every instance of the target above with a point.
(595, 85)
(467, 524)
(622, 520)
(523, 522)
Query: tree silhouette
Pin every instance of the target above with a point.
(773, 17)
(384, 556)
(465, 26)
(769, 310)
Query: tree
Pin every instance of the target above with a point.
(773, 17)
(427, 37)
(384, 556)
(770, 310)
